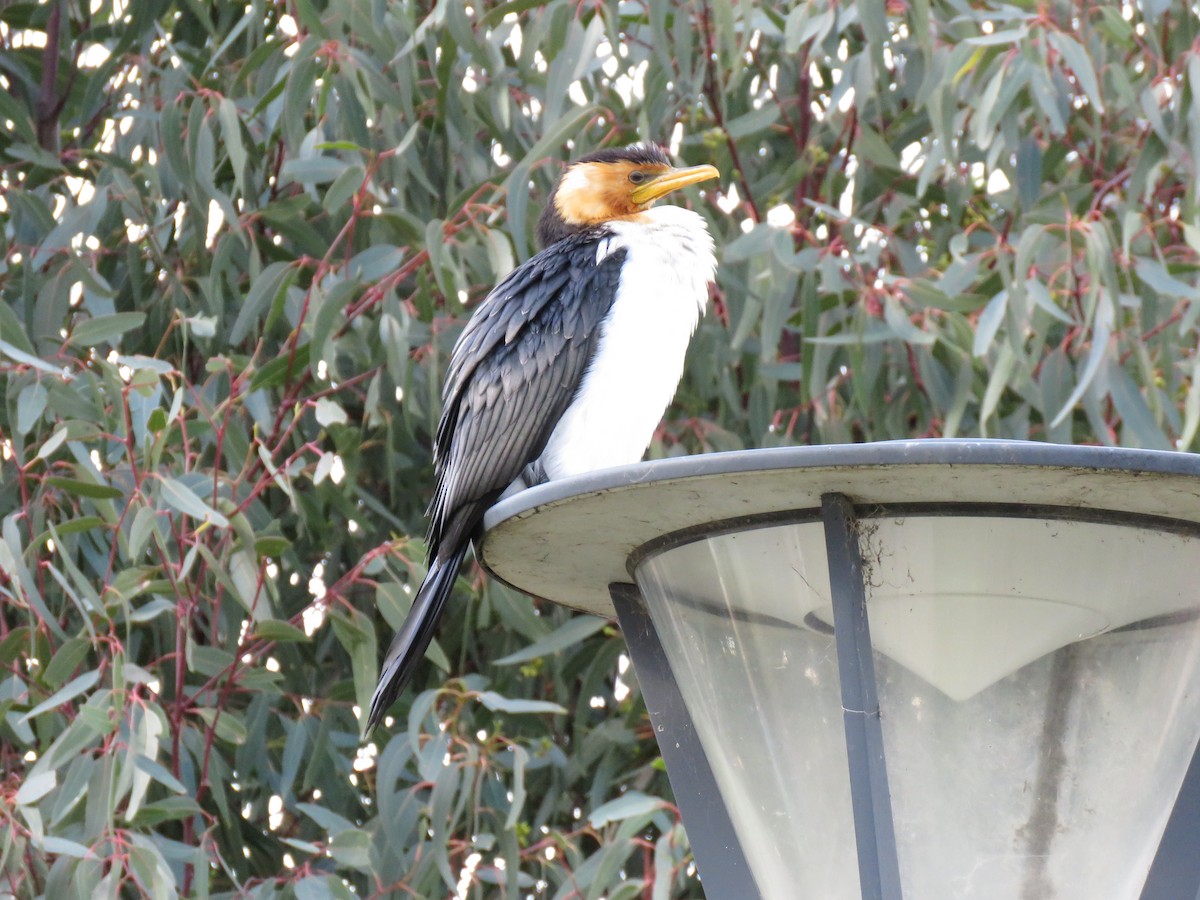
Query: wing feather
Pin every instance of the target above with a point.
(511, 305)
(512, 374)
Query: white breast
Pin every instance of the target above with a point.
(639, 360)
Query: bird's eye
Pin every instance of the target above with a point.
(637, 177)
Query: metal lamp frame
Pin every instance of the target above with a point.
(1175, 871)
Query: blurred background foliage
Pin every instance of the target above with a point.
(238, 243)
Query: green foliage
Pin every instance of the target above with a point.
(238, 243)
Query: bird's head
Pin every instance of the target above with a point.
(612, 184)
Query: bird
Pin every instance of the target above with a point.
(566, 366)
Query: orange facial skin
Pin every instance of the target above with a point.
(594, 192)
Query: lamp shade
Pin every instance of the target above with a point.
(1031, 665)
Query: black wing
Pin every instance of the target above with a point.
(513, 372)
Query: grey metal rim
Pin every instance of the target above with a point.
(926, 451)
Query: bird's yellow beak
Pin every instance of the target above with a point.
(671, 180)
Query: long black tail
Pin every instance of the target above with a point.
(409, 644)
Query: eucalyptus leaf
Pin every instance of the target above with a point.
(632, 803)
(31, 403)
(35, 787)
(572, 632)
(497, 703)
(183, 498)
(105, 329)
(69, 691)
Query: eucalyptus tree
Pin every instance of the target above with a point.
(238, 241)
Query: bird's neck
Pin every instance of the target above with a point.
(676, 235)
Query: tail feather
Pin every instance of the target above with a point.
(409, 644)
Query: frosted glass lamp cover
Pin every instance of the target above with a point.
(1019, 674)
(1034, 618)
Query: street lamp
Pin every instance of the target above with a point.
(921, 669)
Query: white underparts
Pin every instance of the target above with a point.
(662, 293)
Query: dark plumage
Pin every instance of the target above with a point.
(638, 154)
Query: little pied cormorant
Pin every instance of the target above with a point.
(567, 365)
